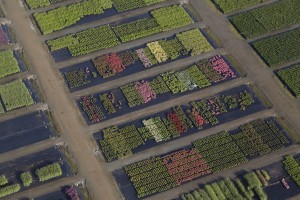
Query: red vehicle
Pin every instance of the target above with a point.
(286, 185)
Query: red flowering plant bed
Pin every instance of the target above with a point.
(158, 174)
(91, 109)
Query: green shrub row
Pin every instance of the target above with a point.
(267, 18)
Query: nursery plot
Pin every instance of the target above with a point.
(15, 94)
(208, 155)
(153, 90)
(280, 48)
(267, 18)
(117, 142)
(62, 17)
(40, 168)
(122, 6)
(25, 130)
(8, 63)
(83, 12)
(33, 4)
(233, 5)
(66, 193)
(115, 65)
(238, 188)
(107, 36)
(290, 76)
(11, 62)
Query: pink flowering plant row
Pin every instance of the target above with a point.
(129, 97)
(4, 39)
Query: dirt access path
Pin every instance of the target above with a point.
(99, 180)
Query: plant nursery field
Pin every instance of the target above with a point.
(10, 63)
(33, 4)
(247, 186)
(66, 193)
(153, 54)
(16, 94)
(143, 93)
(32, 170)
(120, 141)
(205, 156)
(103, 37)
(280, 48)
(269, 176)
(227, 6)
(84, 11)
(290, 76)
(267, 18)
(25, 130)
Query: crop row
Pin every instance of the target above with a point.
(62, 17)
(122, 6)
(103, 37)
(233, 5)
(198, 76)
(109, 65)
(209, 155)
(14, 95)
(280, 48)
(291, 165)
(267, 18)
(290, 76)
(33, 4)
(8, 63)
(27, 178)
(237, 189)
(118, 143)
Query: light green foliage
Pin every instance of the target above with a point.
(8, 190)
(210, 192)
(85, 42)
(267, 18)
(252, 180)
(26, 179)
(33, 4)
(15, 95)
(279, 48)
(171, 17)
(232, 5)
(292, 167)
(122, 5)
(63, 17)
(137, 29)
(3, 180)
(150, 2)
(8, 63)
(261, 194)
(218, 191)
(194, 42)
(49, 172)
(291, 77)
